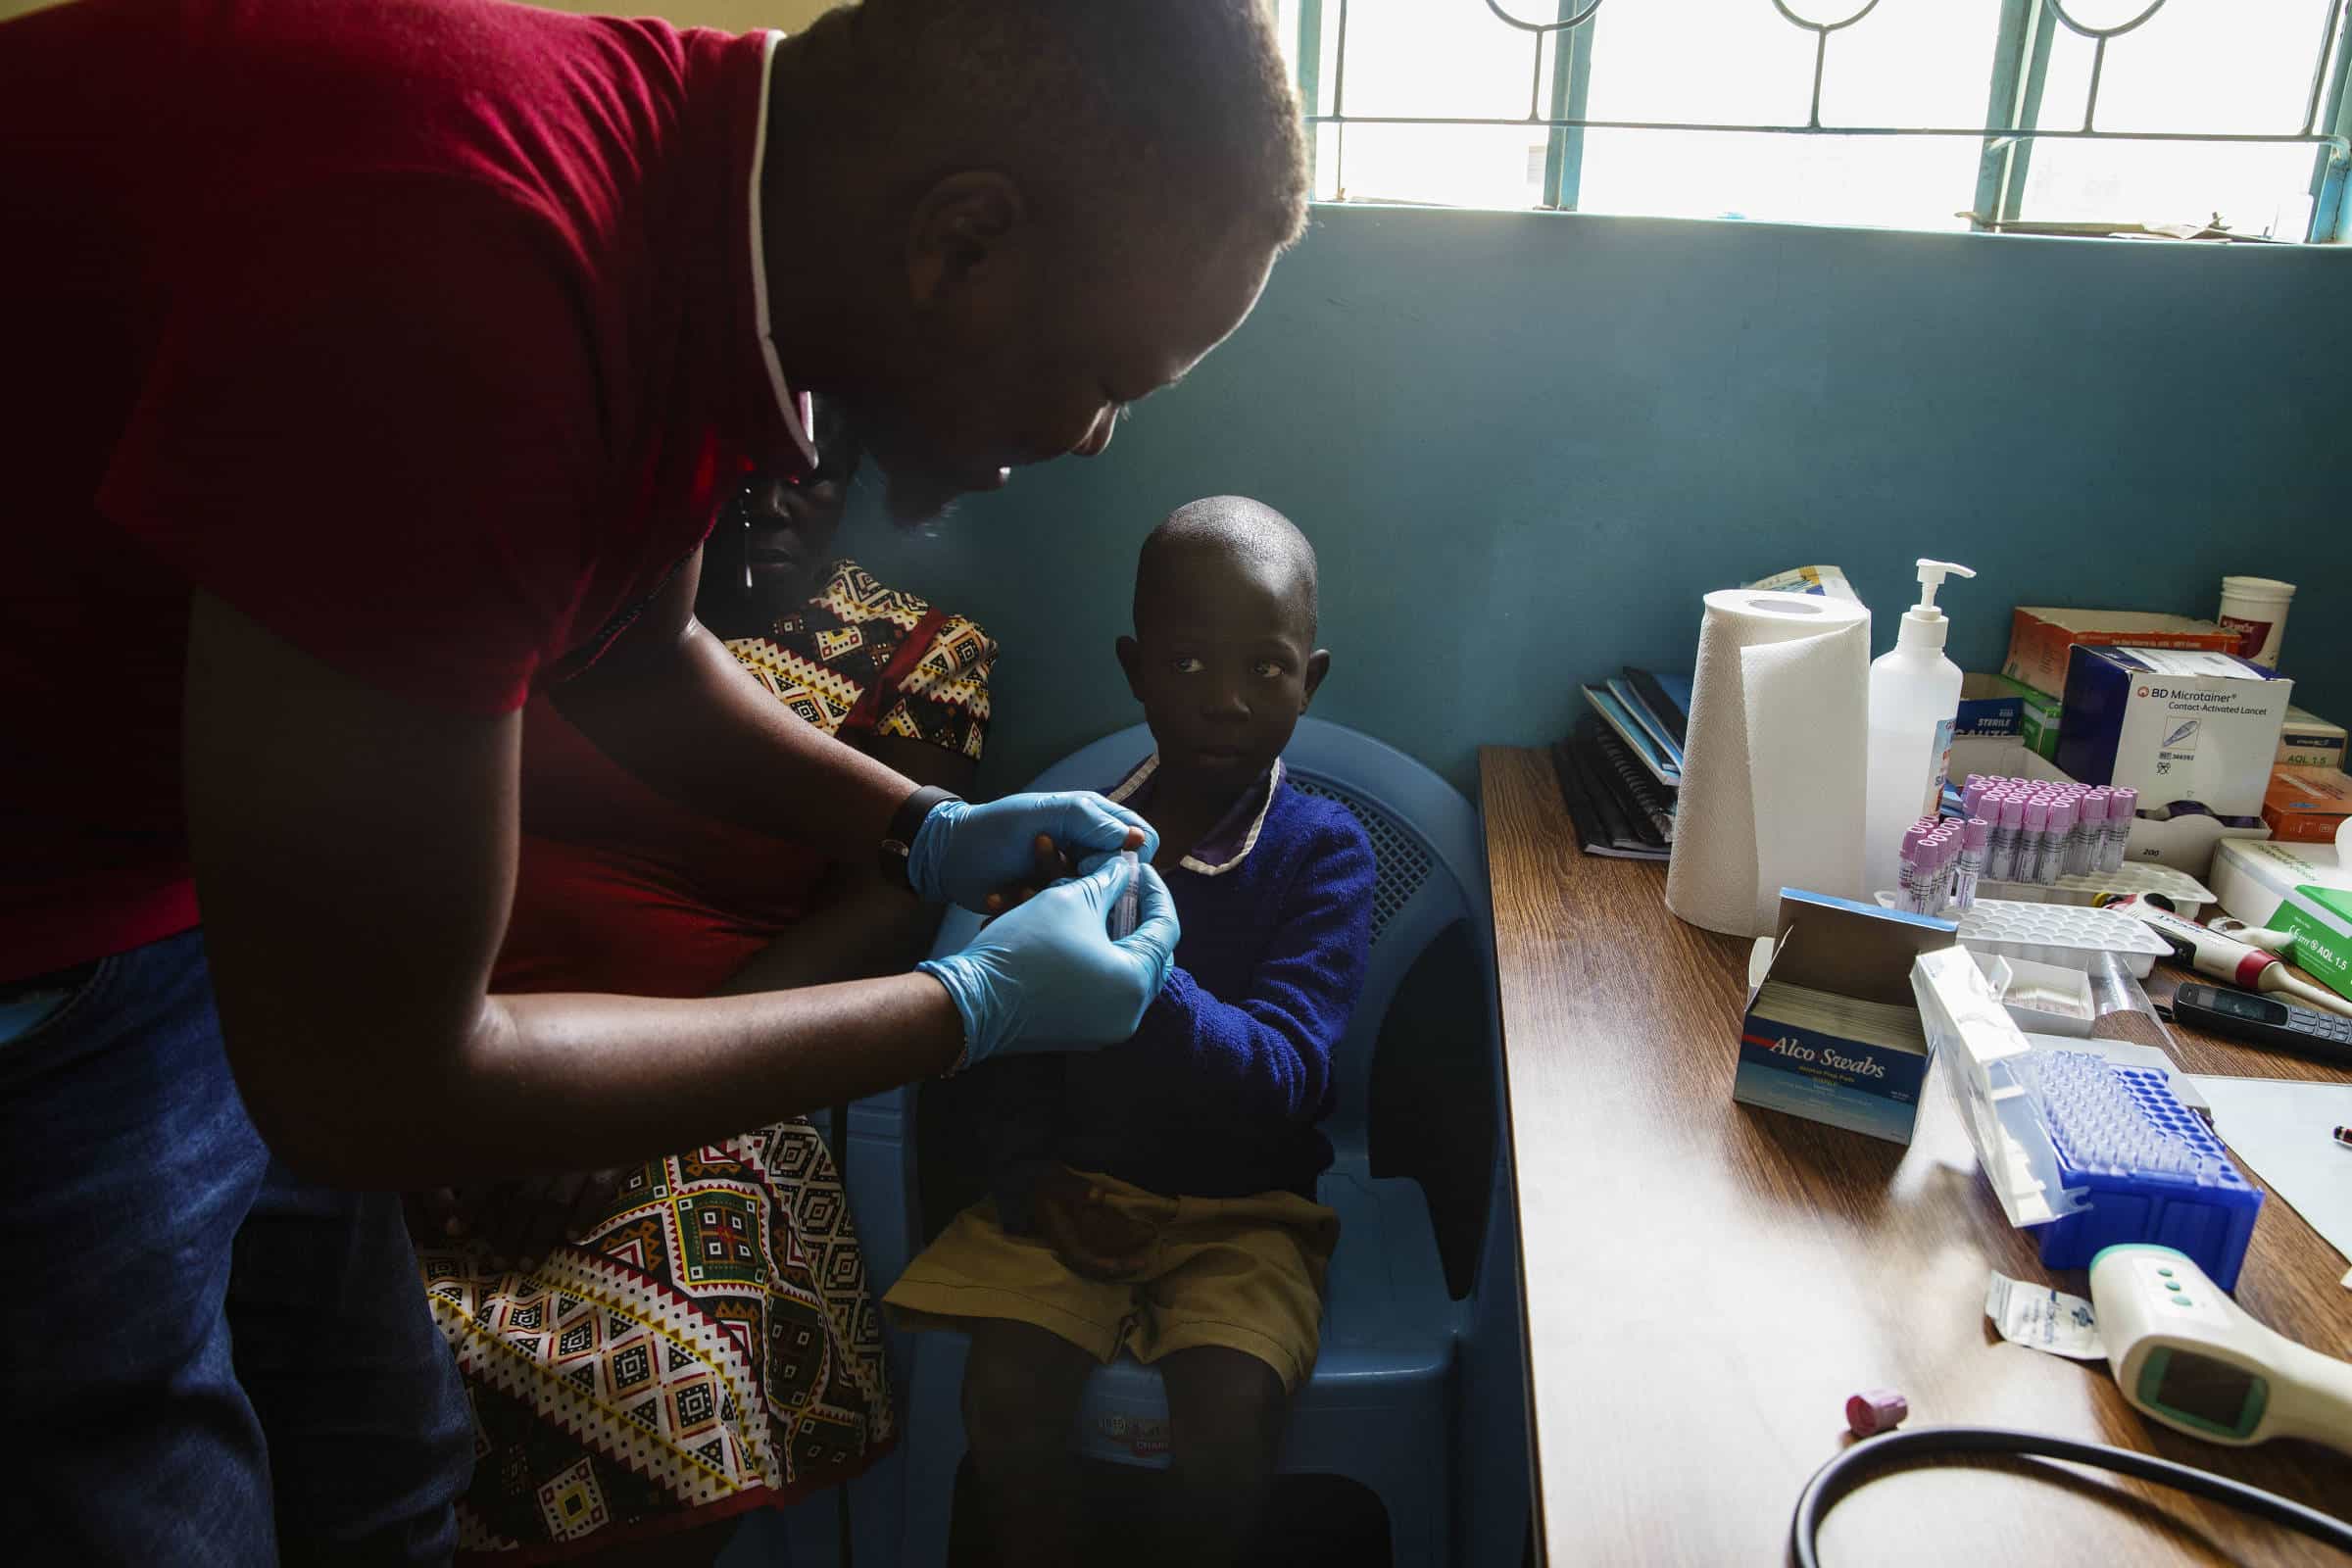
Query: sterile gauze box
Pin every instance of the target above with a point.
(2173, 723)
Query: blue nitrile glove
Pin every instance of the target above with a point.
(963, 852)
(1046, 977)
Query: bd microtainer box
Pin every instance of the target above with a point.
(2176, 724)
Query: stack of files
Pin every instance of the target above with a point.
(1649, 714)
(1826, 1012)
(1617, 807)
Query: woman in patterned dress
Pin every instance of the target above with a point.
(700, 1342)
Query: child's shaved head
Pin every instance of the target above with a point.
(1223, 658)
(1234, 531)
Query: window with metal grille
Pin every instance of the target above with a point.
(2056, 116)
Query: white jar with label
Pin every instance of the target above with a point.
(2255, 607)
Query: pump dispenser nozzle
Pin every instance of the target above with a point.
(1931, 577)
(1923, 623)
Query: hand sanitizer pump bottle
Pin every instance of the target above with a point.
(1914, 697)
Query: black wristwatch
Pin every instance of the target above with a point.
(898, 840)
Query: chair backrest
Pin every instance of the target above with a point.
(1432, 872)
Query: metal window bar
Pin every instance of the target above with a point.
(2021, 64)
(1571, 93)
(2329, 218)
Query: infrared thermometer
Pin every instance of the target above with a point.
(2186, 1354)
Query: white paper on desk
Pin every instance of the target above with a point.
(2285, 1129)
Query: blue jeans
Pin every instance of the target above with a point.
(207, 1360)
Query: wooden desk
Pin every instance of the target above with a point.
(1707, 1282)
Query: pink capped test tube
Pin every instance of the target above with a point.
(2000, 860)
(1975, 840)
(1931, 875)
(2082, 850)
(2037, 836)
(1908, 897)
(2122, 804)
(2063, 811)
(1924, 896)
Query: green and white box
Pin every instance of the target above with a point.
(2300, 888)
(2036, 715)
(2321, 919)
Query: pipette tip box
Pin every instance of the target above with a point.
(2147, 1169)
(2084, 1151)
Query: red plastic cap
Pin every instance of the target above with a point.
(1878, 1411)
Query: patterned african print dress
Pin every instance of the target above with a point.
(708, 1345)
(863, 658)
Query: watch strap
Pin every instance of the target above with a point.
(898, 840)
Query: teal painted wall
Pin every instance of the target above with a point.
(1525, 445)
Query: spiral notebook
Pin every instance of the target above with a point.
(1644, 736)
(1617, 807)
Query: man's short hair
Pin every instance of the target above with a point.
(1235, 529)
(1091, 104)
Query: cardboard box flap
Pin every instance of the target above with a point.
(2187, 661)
(2039, 637)
(2118, 621)
(1853, 949)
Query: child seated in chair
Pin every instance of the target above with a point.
(1159, 1197)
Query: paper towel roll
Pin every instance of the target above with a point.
(1772, 770)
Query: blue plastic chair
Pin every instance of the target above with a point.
(1417, 1397)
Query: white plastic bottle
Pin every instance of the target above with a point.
(1914, 697)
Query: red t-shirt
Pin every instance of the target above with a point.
(618, 889)
(426, 332)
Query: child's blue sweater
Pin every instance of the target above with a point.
(1218, 1093)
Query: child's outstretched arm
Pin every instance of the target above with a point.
(1273, 1047)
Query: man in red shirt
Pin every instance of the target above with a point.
(378, 363)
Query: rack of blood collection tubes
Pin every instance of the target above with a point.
(2041, 830)
(2015, 832)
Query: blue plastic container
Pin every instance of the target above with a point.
(2149, 1168)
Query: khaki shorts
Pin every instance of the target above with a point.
(1244, 1273)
